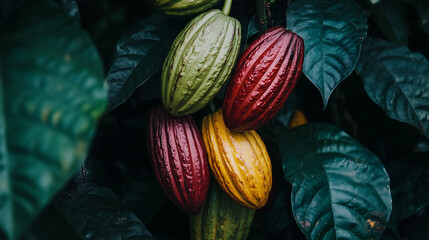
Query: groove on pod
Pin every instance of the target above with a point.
(265, 75)
(238, 161)
(178, 158)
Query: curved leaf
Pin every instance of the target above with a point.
(52, 95)
(139, 55)
(333, 31)
(97, 213)
(252, 28)
(397, 80)
(340, 190)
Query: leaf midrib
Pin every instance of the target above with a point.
(395, 83)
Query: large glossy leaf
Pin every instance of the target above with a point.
(388, 16)
(51, 95)
(397, 80)
(97, 213)
(333, 31)
(140, 54)
(340, 190)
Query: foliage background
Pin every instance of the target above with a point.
(115, 193)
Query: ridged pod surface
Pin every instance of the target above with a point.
(199, 62)
(178, 159)
(221, 218)
(184, 7)
(265, 75)
(239, 161)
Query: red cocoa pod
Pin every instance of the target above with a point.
(265, 75)
(178, 158)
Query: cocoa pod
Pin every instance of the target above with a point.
(239, 161)
(178, 158)
(200, 60)
(221, 218)
(265, 75)
(184, 7)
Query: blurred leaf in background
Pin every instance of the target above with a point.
(51, 96)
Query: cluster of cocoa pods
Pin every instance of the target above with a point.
(200, 61)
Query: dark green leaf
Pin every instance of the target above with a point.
(276, 17)
(387, 15)
(145, 198)
(52, 95)
(340, 190)
(268, 222)
(139, 55)
(333, 31)
(252, 28)
(50, 225)
(397, 80)
(97, 213)
(422, 7)
(410, 185)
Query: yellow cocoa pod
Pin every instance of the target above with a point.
(298, 119)
(239, 162)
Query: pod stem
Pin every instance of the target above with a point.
(261, 13)
(212, 107)
(227, 7)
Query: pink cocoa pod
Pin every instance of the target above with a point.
(178, 158)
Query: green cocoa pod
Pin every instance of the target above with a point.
(184, 7)
(221, 218)
(199, 62)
